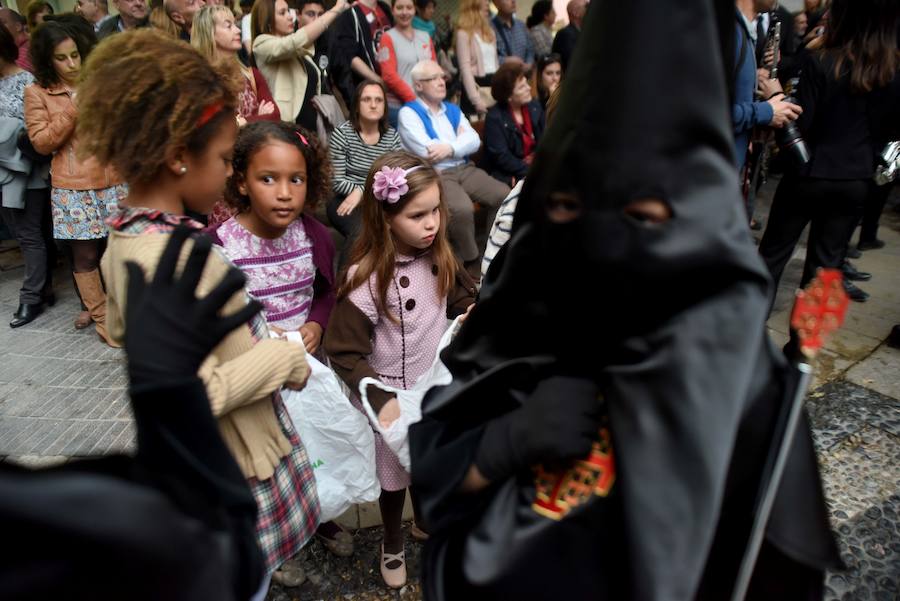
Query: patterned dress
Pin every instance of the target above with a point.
(287, 502)
(280, 272)
(404, 350)
(82, 214)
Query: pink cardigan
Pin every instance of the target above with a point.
(471, 65)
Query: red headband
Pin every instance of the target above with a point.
(208, 113)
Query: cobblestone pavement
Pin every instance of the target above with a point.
(62, 395)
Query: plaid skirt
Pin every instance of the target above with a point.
(287, 502)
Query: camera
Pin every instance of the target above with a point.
(790, 141)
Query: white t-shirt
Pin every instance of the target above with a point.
(488, 55)
(245, 29)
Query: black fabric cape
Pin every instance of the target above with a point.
(176, 521)
(668, 318)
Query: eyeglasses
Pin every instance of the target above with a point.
(432, 78)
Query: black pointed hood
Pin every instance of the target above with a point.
(669, 318)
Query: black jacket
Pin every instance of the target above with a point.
(351, 38)
(845, 130)
(504, 151)
(564, 43)
(111, 26)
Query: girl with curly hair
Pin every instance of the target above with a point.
(281, 173)
(164, 117)
(84, 191)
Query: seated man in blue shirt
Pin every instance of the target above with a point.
(438, 131)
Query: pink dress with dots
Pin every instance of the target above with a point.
(403, 350)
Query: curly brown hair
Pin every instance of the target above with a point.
(141, 97)
(254, 136)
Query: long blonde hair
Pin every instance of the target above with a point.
(203, 31)
(374, 250)
(471, 19)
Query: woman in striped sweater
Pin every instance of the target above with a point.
(354, 146)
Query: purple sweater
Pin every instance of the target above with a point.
(323, 259)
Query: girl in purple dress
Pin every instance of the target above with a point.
(281, 172)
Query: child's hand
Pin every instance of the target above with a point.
(276, 330)
(241, 121)
(389, 412)
(312, 336)
(465, 316)
(266, 107)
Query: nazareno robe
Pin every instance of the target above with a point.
(668, 318)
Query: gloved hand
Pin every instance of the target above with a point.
(168, 330)
(558, 422)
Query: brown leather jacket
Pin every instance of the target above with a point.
(50, 117)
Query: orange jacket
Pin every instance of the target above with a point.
(50, 117)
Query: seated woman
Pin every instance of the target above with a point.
(513, 126)
(284, 56)
(354, 146)
(547, 77)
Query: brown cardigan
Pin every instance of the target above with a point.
(50, 117)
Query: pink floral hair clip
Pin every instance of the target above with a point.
(389, 184)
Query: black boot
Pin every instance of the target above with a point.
(853, 253)
(870, 244)
(855, 294)
(852, 273)
(25, 314)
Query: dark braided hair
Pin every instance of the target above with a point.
(142, 95)
(254, 136)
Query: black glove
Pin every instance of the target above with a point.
(168, 330)
(559, 421)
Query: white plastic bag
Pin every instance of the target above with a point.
(338, 441)
(396, 436)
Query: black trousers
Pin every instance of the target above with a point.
(32, 228)
(872, 208)
(832, 208)
(348, 225)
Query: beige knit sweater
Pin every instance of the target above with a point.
(240, 374)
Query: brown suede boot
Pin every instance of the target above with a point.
(94, 297)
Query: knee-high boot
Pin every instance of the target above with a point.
(91, 288)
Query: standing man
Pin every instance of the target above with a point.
(746, 112)
(564, 42)
(512, 35)
(96, 12)
(16, 25)
(355, 38)
(132, 14)
(182, 12)
(307, 12)
(438, 131)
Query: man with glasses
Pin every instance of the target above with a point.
(437, 130)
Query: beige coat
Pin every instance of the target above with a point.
(281, 61)
(471, 65)
(50, 117)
